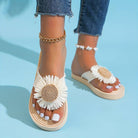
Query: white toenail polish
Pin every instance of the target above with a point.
(38, 111)
(55, 117)
(119, 84)
(117, 87)
(33, 105)
(46, 117)
(41, 114)
(109, 87)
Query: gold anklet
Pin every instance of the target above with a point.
(52, 40)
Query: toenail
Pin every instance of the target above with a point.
(109, 87)
(117, 86)
(38, 111)
(41, 114)
(55, 117)
(46, 117)
(33, 105)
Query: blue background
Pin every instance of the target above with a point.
(89, 115)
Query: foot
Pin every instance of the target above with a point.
(83, 61)
(52, 62)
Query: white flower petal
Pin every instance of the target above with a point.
(37, 95)
(59, 84)
(97, 75)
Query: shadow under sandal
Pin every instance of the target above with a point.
(103, 75)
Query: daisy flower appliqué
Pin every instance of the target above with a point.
(102, 74)
(51, 91)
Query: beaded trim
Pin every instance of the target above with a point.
(86, 48)
(52, 40)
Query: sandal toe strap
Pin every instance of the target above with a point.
(101, 73)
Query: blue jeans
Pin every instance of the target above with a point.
(91, 17)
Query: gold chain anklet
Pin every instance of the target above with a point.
(52, 40)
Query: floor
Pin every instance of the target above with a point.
(89, 116)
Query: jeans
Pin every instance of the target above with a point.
(91, 16)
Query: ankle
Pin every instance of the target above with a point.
(57, 48)
(83, 60)
(88, 40)
(53, 59)
(53, 55)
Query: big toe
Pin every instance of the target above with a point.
(57, 114)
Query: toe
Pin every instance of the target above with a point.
(108, 88)
(33, 100)
(37, 108)
(117, 84)
(42, 112)
(117, 81)
(102, 86)
(58, 114)
(116, 87)
(48, 114)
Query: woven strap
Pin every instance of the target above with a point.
(88, 76)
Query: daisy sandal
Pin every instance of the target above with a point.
(103, 75)
(50, 93)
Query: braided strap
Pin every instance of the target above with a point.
(51, 91)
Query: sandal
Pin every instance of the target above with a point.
(103, 75)
(51, 94)
(43, 86)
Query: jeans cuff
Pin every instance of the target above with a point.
(54, 8)
(77, 30)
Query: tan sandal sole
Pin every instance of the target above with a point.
(112, 96)
(41, 122)
(44, 124)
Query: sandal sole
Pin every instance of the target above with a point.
(114, 95)
(41, 122)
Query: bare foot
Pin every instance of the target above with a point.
(52, 62)
(85, 59)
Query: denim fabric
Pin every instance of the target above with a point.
(53, 7)
(91, 17)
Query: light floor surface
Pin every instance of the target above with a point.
(89, 116)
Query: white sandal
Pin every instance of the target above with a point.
(102, 74)
(51, 93)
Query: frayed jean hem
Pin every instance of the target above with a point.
(87, 33)
(54, 14)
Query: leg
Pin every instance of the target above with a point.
(52, 54)
(91, 21)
